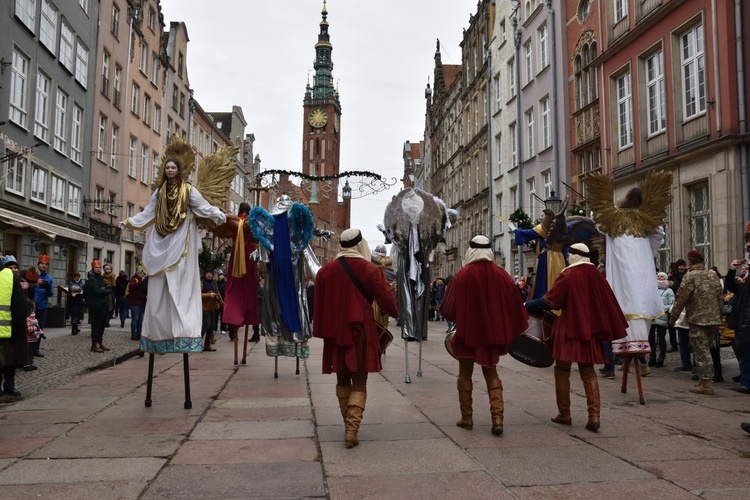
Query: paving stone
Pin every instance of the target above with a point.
(258, 430)
(111, 490)
(111, 447)
(246, 451)
(703, 474)
(81, 470)
(643, 488)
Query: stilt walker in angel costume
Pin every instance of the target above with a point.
(284, 237)
(172, 319)
(634, 234)
(414, 221)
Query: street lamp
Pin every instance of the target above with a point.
(553, 202)
(346, 191)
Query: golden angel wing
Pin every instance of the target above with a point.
(180, 150)
(600, 192)
(657, 196)
(215, 174)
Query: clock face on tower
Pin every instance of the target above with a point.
(317, 117)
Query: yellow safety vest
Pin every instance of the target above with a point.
(6, 290)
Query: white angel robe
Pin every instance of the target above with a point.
(174, 314)
(631, 273)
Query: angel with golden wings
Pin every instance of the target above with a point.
(172, 319)
(634, 234)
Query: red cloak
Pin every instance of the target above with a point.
(344, 319)
(241, 293)
(485, 304)
(590, 315)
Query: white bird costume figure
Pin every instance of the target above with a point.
(173, 317)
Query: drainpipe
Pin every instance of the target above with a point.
(742, 111)
(555, 138)
(519, 135)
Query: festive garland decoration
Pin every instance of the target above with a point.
(351, 173)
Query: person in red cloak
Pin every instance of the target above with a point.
(241, 293)
(590, 315)
(484, 302)
(343, 317)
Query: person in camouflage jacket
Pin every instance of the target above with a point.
(700, 293)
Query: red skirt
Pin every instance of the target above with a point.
(342, 358)
(488, 355)
(578, 351)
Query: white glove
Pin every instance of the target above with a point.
(511, 227)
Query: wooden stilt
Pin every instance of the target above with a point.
(276, 367)
(244, 348)
(297, 371)
(186, 371)
(150, 380)
(638, 381)
(625, 369)
(236, 340)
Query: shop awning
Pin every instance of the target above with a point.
(43, 228)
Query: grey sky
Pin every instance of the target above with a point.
(257, 54)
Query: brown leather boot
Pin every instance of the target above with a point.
(464, 402)
(593, 399)
(342, 393)
(497, 406)
(562, 395)
(354, 412)
(95, 347)
(101, 346)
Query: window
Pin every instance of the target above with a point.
(146, 109)
(531, 189)
(57, 193)
(530, 133)
(700, 220)
(114, 26)
(529, 55)
(131, 157)
(624, 111)
(16, 175)
(74, 197)
(547, 177)
(180, 63)
(498, 92)
(657, 115)
(66, 46)
(154, 165)
(19, 89)
(61, 109)
(136, 99)
(84, 5)
(26, 12)
(143, 60)
(101, 138)
(48, 25)
(105, 74)
(503, 31)
(513, 145)
(99, 198)
(111, 203)
(583, 10)
(145, 163)
(114, 147)
(546, 129)
(499, 148)
(41, 109)
(175, 97)
(693, 72)
(543, 53)
(514, 197)
(76, 136)
(182, 105)
(38, 184)
(157, 119)
(512, 77)
(621, 9)
(82, 54)
(152, 20)
(154, 69)
(117, 86)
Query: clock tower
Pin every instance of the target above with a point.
(321, 133)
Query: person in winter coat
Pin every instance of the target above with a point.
(659, 325)
(13, 342)
(97, 299)
(75, 303)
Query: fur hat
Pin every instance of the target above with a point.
(695, 255)
(662, 275)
